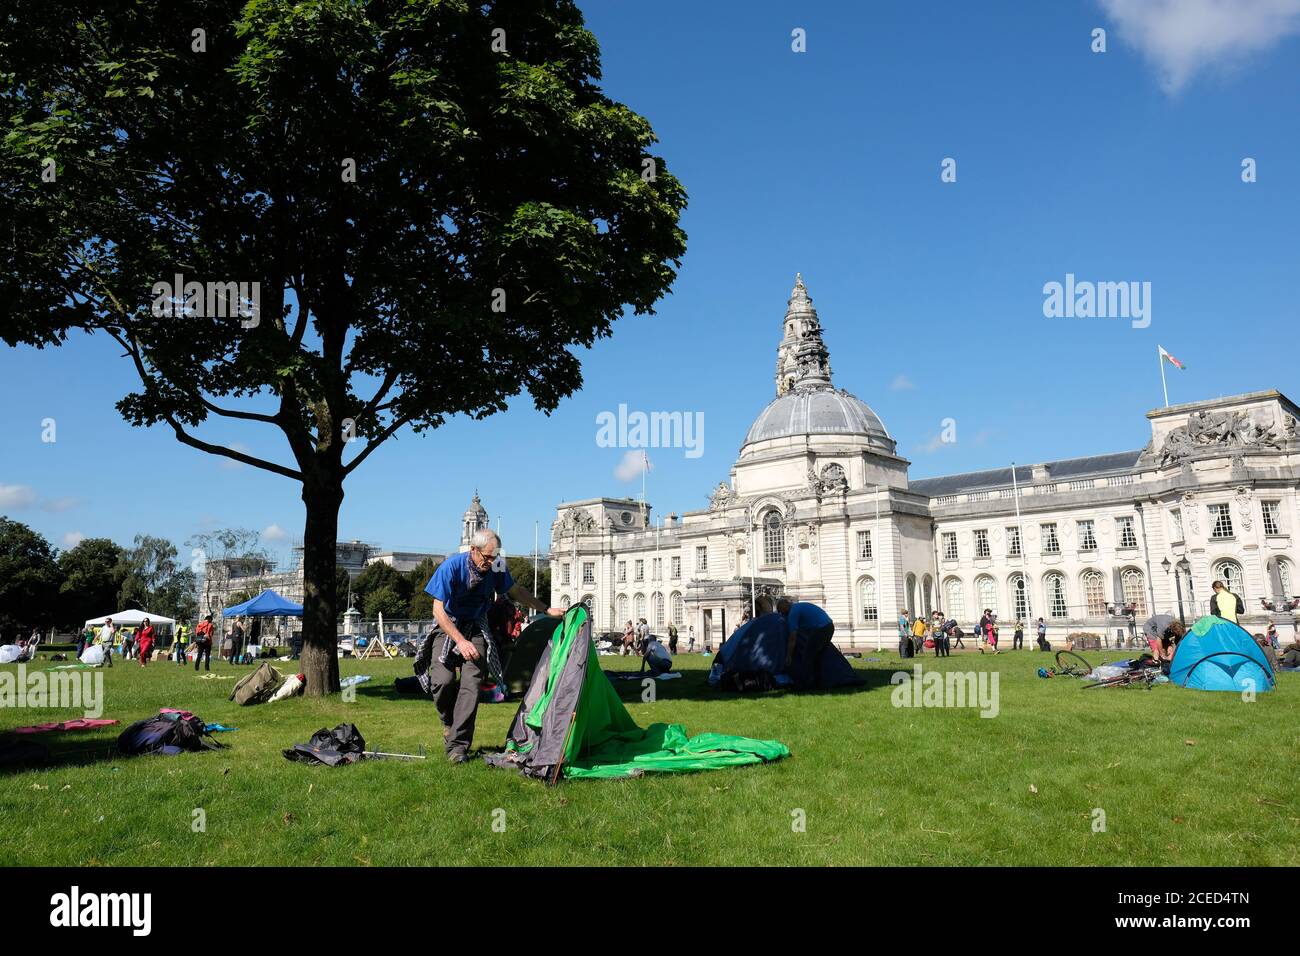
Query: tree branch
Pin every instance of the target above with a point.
(375, 443)
(187, 439)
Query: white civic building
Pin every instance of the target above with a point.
(819, 507)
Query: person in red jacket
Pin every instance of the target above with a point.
(145, 641)
(203, 643)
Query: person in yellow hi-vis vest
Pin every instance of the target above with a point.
(1225, 604)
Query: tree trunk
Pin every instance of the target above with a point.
(323, 495)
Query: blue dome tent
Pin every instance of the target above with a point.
(1217, 654)
(266, 604)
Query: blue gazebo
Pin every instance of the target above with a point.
(266, 604)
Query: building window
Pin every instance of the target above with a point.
(638, 570)
(620, 609)
(987, 592)
(1284, 577)
(1020, 597)
(982, 543)
(1013, 542)
(1094, 593)
(622, 572)
(1087, 536)
(678, 608)
(1176, 516)
(1051, 543)
(950, 546)
(564, 600)
(870, 609)
(675, 567)
(953, 600)
(1229, 572)
(1134, 583)
(1220, 521)
(1127, 535)
(702, 560)
(657, 602)
(656, 569)
(588, 572)
(1272, 521)
(564, 573)
(638, 608)
(773, 540)
(1056, 604)
(864, 545)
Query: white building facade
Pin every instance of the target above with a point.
(819, 507)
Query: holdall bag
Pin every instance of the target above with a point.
(258, 687)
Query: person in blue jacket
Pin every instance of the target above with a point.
(811, 630)
(463, 588)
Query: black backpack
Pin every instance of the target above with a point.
(168, 734)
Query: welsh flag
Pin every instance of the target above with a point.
(1172, 361)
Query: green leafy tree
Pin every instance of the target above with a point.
(521, 569)
(146, 567)
(376, 576)
(29, 580)
(386, 600)
(342, 588)
(436, 202)
(420, 606)
(91, 574)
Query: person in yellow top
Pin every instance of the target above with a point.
(918, 633)
(1225, 604)
(182, 639)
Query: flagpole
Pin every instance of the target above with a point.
(1160, 357)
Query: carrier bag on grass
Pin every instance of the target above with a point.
(258, 687)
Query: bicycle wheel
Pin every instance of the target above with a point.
(1071, 663)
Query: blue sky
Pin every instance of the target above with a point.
(1115, 166)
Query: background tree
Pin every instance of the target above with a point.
(436, 199)
(342, 588)
(91, 575)
(521, 569)
(147, 567)
(386, 600)
(376, 576)
(29, 580)
(214, 555)
(420, 606)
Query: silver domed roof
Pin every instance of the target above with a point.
(821, 411)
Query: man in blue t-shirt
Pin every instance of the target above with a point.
(463, 588)
(811, 630)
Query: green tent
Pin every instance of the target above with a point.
(572, 723)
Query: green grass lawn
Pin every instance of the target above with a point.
(1183, 777)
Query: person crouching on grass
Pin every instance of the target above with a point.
(463, 588)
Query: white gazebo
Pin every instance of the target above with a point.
(131, 619)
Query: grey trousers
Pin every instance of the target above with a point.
(457, 701)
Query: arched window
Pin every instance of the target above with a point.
(1057, 607)
(1285, 578)
(638, 608)
(1094, 592)
(773, 540)
(678, 609)
(909, 592)
(1020, 604)
(986, 590)
(954, 603)
(590, 601)
(564, 600)
(620, 610)
(927, 594)
(1134, 583)
(867, 591)
(1229, 572)
(657, 602)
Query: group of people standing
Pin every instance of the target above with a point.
(916, 632)
(131, 643)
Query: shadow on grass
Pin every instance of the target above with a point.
(55, 749)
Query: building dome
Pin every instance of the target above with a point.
(807, 403)
(819, 411)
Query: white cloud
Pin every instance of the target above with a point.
(1182, 37)
(56, 505)
(901, 383)
(229, 463)
(275, 534)
(16, 497)
(73, 538)
(935, 444)
(630, 466)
